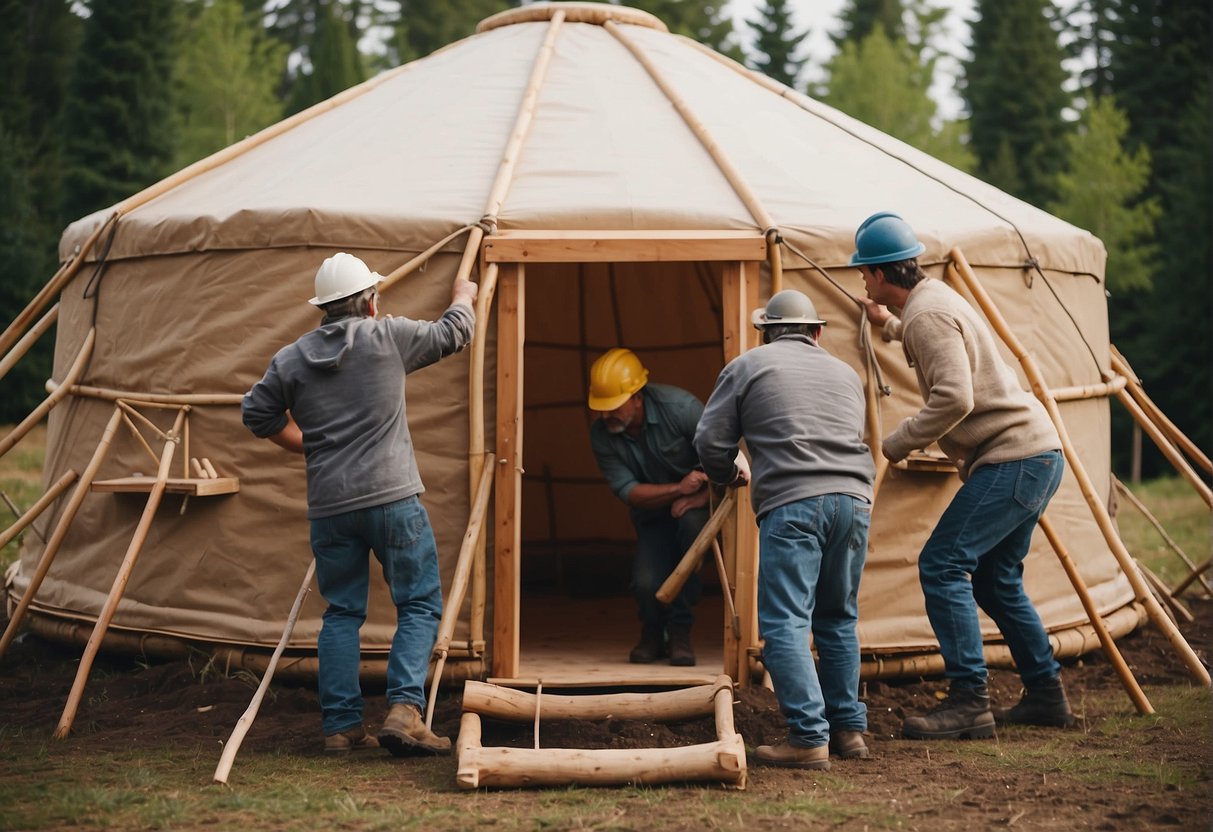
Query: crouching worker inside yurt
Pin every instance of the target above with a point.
(642, 441)
(336, 395)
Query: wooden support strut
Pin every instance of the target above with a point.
(1121, 365)
(77, 368)
(60, 485)
(1168, 449)
(246, 719)
(61, 528)
(120, 581)
(1098, 509)
(1123, 490)
(1136, 695)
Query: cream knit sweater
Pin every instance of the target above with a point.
(975, 407)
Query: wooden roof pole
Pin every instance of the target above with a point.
(1137, 390)
(120, 580)
(723, 162)
(1098, 509)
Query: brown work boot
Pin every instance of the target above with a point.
(651, 646)
(351, 739)
(964, 715)
(849, 745)
(681, 654)
(405, 735)
(1043, 703)
(786, 755)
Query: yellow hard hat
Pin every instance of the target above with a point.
(615, 376)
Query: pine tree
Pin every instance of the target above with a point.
(884, 84)
(119, 118)
(860, 17)
(1013, 88)
(1090, 25)
(427, 25)
(707, 22)
(1099, 191)
(227, 72)
(333, 62)
(777, 43)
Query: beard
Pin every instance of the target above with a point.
(614, 426)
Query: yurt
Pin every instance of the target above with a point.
(608, 184)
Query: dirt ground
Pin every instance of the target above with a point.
(934, 785)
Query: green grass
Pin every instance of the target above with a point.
(1181, 512)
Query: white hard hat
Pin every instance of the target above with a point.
(340, 276)
(786, 307)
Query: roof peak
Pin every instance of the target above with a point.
(595, 13)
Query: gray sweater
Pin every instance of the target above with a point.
(974, 406)
(801, 412)
(343, 383)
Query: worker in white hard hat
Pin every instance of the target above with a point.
(642, 441)
(336, 395)
(801, 413)
(1009, 456)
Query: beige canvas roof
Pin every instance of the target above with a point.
(206, 280)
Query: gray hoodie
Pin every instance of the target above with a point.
(343, 382)
(801, 412)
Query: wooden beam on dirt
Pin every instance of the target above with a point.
(667, 706)
(960, 266)
(623, 246)
(507, 552)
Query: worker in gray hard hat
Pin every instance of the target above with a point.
(1009, 457)
(801, 413)
(336, 395)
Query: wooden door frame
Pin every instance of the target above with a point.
(741, 254)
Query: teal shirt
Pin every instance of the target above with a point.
(663, 453)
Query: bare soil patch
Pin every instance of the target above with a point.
(1115, 772)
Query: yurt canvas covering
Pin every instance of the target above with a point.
(622, 132)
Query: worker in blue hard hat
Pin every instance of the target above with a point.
(1009, 457)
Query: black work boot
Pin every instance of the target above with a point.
(1043, 703)
(651, 646)
(681, 654)
(965, 714)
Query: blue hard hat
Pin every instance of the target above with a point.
(885, 238)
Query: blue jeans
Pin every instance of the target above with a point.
(975, 557)
(812, 553)
(399, 534)
(661, 541)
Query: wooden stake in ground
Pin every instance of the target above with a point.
(120, 581)
(246, 719)
(686, 567)
(1098, 509)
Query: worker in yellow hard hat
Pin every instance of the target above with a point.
(642, 441)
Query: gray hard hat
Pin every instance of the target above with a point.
(786, 307)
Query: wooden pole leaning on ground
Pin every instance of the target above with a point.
(246, 719)
(120, 581)
(1196, 573)
(1165, 445)
(61, 528)
(1136, 695)
(459, 582)
(1121, 365)
(77, 368)
(28, 340)
(686, 567)
(1098, 509)
(1124, 491)
(60, 485)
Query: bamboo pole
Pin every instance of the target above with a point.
(1136, 695)
(1168, 449)
(1138, 391)
(1098, 509)
(421, 259)
(1101, 390)
(120, 581)
(1174, 609)
(459, 582)
(77, 368)
(53, 287)
(730, 172)
(60, 485)
(669, 590)
(1197, 572)
(246, 719)
(168, 401)
(476, 450)
(28, 340)
(1171, 544)
(726, 589)
(61, 528)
